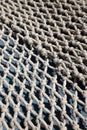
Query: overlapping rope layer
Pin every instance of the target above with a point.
(43, 64)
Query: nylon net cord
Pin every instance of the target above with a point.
(43, 64)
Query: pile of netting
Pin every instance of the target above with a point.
(43, 64)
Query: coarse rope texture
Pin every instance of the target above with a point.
(43, 64)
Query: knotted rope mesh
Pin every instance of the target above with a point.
(43, 64)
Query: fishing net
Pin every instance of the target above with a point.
(43, 64)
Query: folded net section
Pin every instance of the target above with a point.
(43, 64)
